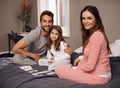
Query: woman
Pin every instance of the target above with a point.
(94, 66)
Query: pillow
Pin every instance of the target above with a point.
(115, 48)
(78, 50)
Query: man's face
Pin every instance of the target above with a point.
(46, 23)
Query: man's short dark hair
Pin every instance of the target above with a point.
(46, 12)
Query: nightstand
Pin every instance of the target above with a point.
(15, 38)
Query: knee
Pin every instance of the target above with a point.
(58, 69)
(16, 59)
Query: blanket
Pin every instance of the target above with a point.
(15, 76)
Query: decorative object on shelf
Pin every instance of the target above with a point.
(25, 15)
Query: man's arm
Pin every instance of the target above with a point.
(19, 48)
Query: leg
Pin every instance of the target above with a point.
(20, 59)
(59, 63)
(79, 76)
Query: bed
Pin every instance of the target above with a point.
(15, 76)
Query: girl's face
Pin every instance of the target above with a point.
(54, 35)
(88, 20)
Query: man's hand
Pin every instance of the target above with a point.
(68, 50)
(36, 58)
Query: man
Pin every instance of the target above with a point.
(32, 47)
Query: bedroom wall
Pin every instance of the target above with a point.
(109, 10)
(7, 21)
(110, 14)
(9, 10)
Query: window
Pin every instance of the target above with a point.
(60, 8)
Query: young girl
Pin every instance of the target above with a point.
(56, 46)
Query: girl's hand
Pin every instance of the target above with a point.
(51, 60)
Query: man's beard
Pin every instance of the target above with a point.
(45, 30)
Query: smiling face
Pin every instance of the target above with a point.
(88, 20)
(46, 23)
(54, 35)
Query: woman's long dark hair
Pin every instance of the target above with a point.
(57, 42)
(98, 26)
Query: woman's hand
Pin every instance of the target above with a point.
(76, 61)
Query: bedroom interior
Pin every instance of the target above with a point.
(109, 10)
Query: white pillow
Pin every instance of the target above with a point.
(115, 48)
(78, 50)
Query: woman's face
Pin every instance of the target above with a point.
(88, 20)
(54, 35)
